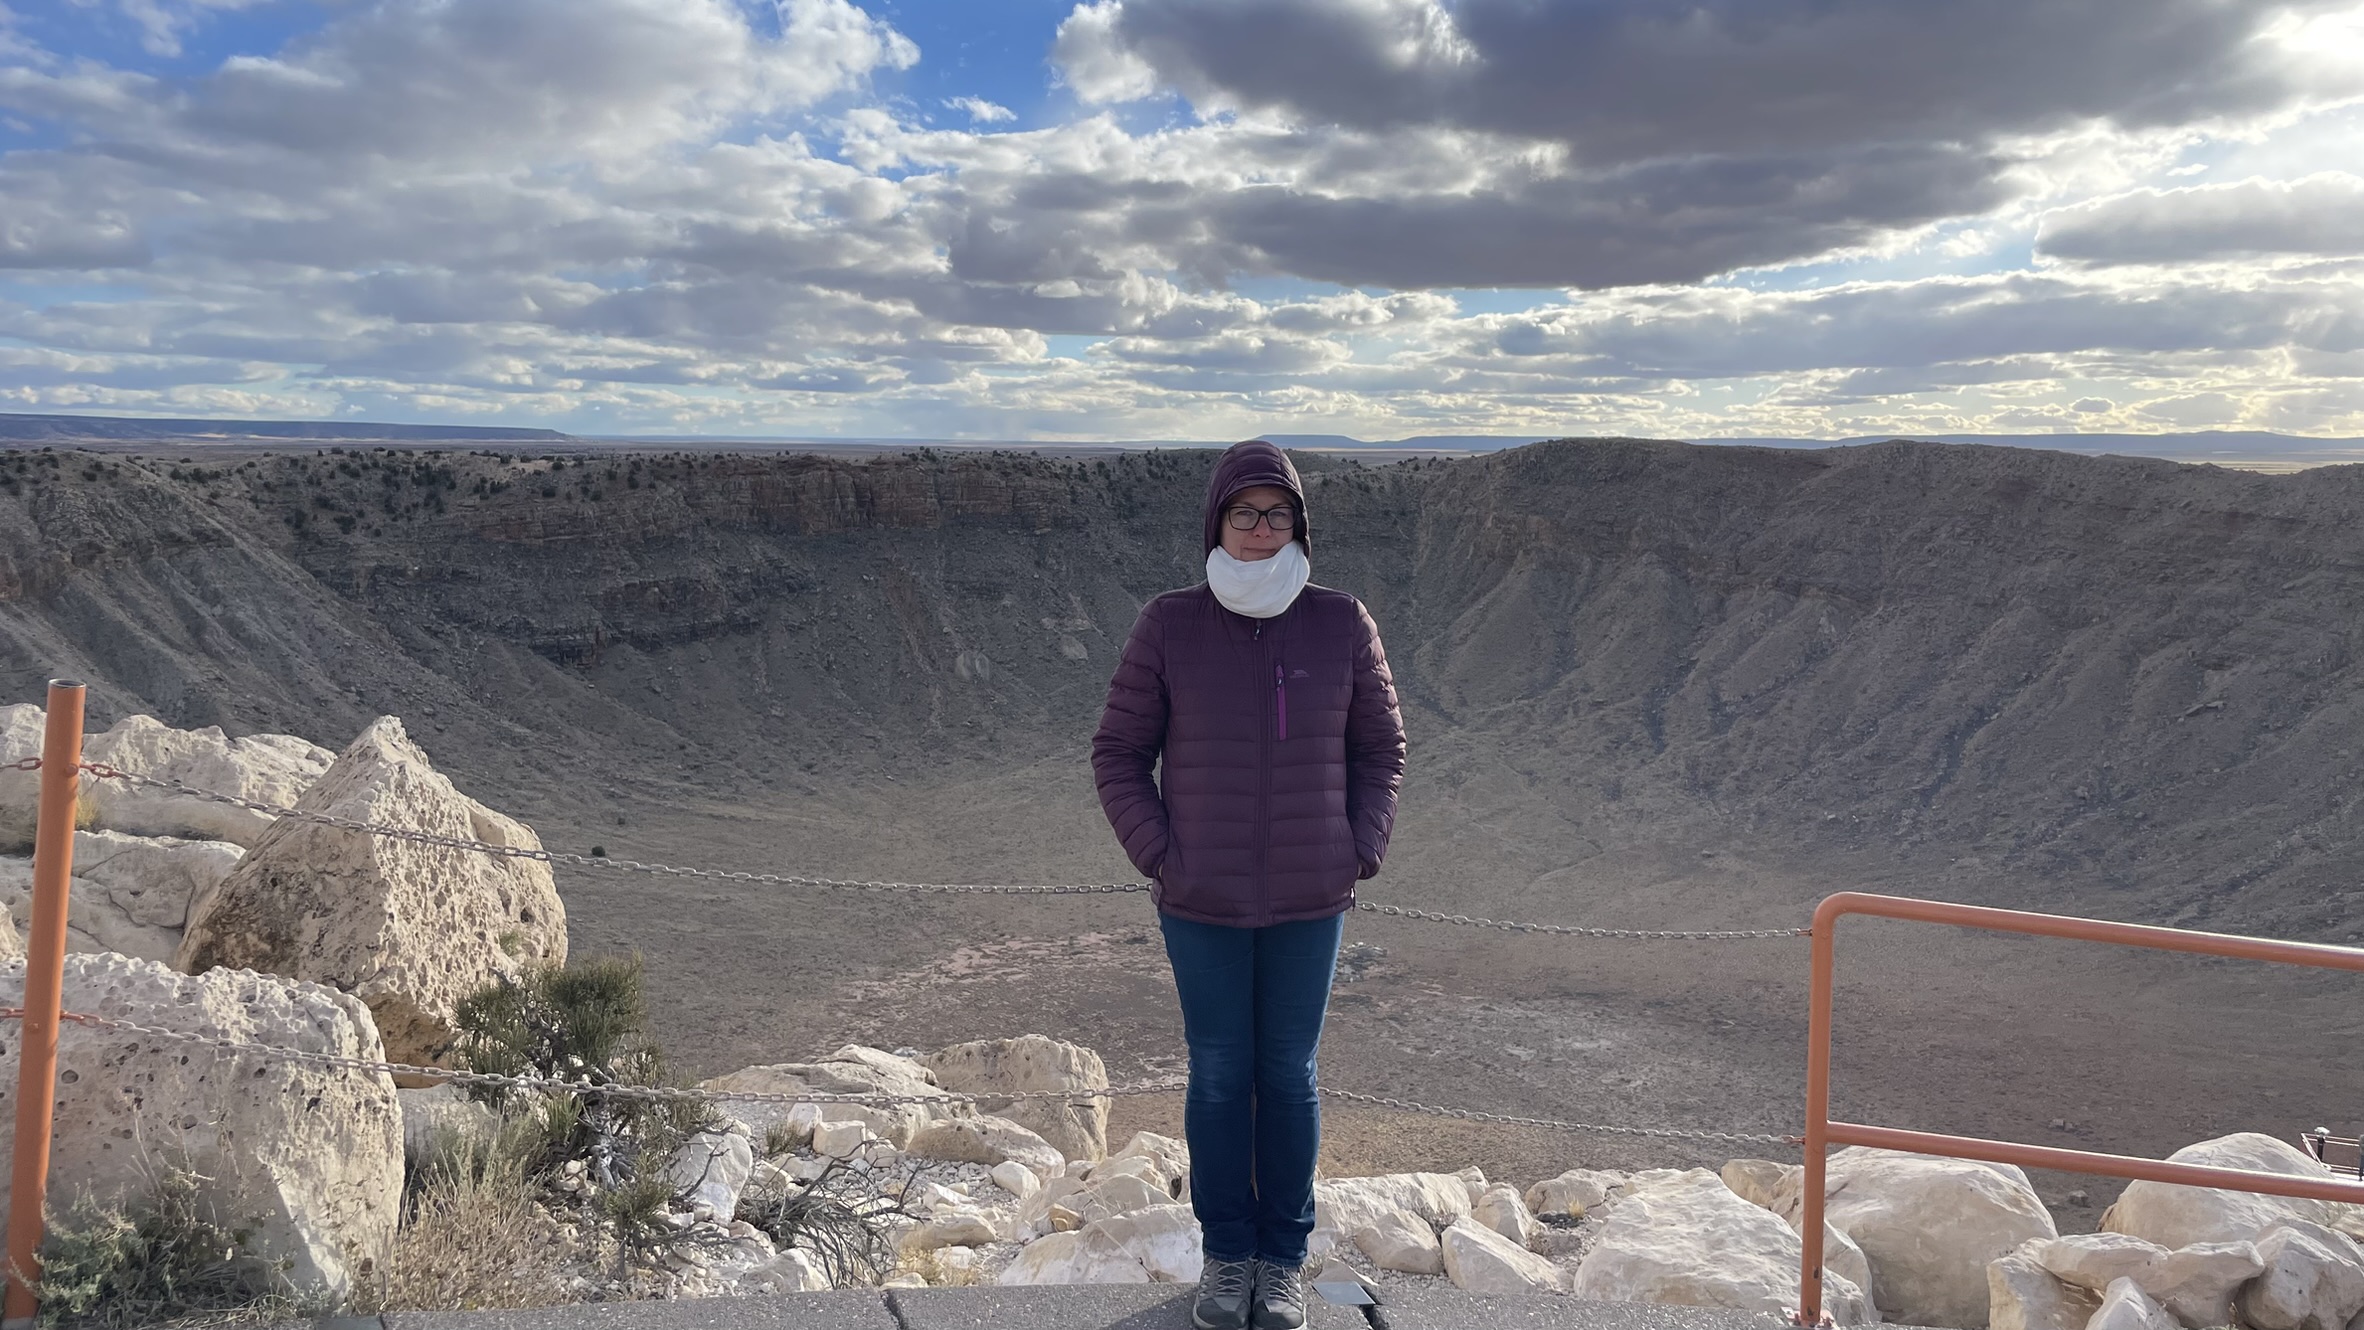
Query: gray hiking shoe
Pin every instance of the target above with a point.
(1224, 1288)
(1280, 1296)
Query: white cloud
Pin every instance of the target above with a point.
(981, 111)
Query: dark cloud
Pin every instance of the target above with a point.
(2320, 215)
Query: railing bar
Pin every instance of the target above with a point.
(2086, 1161)
(2318, 954)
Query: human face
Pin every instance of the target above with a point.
(1263, 542)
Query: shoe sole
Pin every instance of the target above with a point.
(1204, 1324)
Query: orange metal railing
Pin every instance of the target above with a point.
(1822, 1133)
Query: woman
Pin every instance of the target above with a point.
(1270, 701)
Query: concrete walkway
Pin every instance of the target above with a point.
(1071, 1307)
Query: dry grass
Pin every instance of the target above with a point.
(473, 1241)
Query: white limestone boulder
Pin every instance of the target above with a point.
(1016, 1179)
(1500, 1209)
(1076, 1127)
(1163, 1238)
(310, 1157)
(2174, 1216)
(2094, 1261)
(2197, 1284)
(130, 894)
(1402, 1242)
(1171, 1157)
(2124, 1306)
(710, 1171)
(1691, 1241)
(16, 885)
(267, 768)
(21, 725)
(409, 929)
(1473, 1180)
(1347, 1204)
(985, 1140)
(1929, 1227)
(852, 1070)
(1479, 1260)
(2313, 1280)
(1083, 1257)
(439, 1118)
(2023, 1295)
(1104, 1198)
(1573, 1192)
(1760, 1181)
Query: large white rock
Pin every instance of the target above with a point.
(1077, 1127)
(1123, 1194)
(1171, 1157)
(311, 1157)
(1500, 1209)
(1479, 1260)
(129, 895)
(2313, 1280)
(1573, 1192)
(2196, 1284)
(409, 929)
(985, 1140)
(1402, 1242)
(2174, 1216)
(1090, 1256)
(2094, 1261)
(442, 1117)
(2124, 1306)
(267, 768)
(2023, 1295)
(1163, 1238)
(1691, 1241)
(1347, 1204)
(850, 1070)
(710, 1170)
(1929, 1226)
(21, 725)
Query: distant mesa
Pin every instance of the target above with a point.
(16, 428)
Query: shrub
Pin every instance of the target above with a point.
(154, 1257)
(839, 1217)
(471, 1237)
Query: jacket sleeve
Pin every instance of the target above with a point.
(1125, 749)
(1374, 750)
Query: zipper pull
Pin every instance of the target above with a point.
(1280, 700)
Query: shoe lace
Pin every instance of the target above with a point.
(1227, 1279)
(1283, 1283)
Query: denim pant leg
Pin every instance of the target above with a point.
(1253, 1002)
(1214, 973)
(1295, 964)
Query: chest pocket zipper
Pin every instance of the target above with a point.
(1280, 699)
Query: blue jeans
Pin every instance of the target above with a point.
(1253, 1000)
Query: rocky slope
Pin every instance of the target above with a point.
(2128, 678)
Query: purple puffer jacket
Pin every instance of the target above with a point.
(1282, 742)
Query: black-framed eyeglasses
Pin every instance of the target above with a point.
(1280, 517)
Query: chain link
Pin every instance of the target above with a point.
(105, 772)
(552, 1085)
(23, 764)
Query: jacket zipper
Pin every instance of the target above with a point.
(1280, 700)
(1264, 814)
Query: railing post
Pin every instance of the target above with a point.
(1826, 923)
(45, 968)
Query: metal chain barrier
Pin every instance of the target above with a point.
(552, 1085)
(104, 772)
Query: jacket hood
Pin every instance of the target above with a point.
(1245, 466)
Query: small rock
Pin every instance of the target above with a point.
(1479, 1260)
(2126, 1307)
(840, 1140)
(1573, 1192)
(2196, 1284)
(1016, 1179)
(1757, 1181)
(2313, 1280)
(2023, 1295)
(1401, 1242)
(1474, 1178)
(1500, 1209)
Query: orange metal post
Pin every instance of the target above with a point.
(1821, 1132)
(45, 966)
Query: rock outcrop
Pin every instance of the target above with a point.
(2173, 1216)
(1929, 1227)
(130, 894)
(1693, 1241)
(309, 1158)
(1077, 1128)
(411, 929)
(267, 768)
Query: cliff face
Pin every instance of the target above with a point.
(2130, 677)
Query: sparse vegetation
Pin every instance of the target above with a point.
(153, 1257)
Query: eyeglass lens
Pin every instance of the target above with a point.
(1281, 519)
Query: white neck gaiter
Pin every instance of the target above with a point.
(1259, 588)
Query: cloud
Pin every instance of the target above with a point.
(2318, 215)
(981, 111)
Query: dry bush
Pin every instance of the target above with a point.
(156, 1257)
(473, 1239)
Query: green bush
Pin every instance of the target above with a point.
(155, 1257)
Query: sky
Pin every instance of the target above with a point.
(1189, 219)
